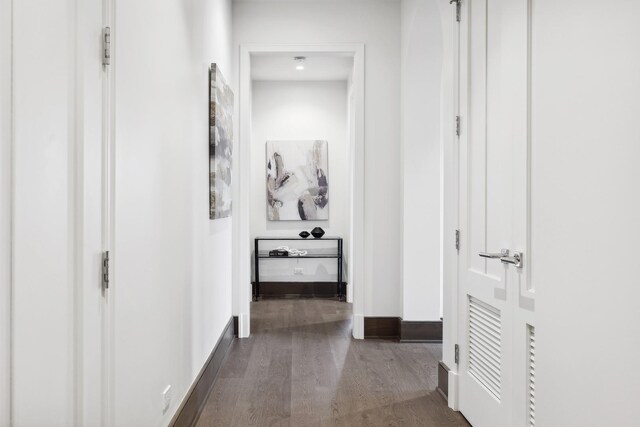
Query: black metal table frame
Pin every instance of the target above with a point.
(339, 289)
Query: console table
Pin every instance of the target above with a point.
(324, 253)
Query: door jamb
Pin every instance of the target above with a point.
(242, 187)
(108, 409)
(6, 216)
(451, 205)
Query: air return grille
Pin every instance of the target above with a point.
(532, 375)
(485, 354)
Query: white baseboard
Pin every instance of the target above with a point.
(244, 329)
(453, 391)
(358, 326)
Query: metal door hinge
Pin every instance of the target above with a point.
(458, 4)
(456, 354)
(457, 240)
(457, 125)
(106, 46)
(105, 270)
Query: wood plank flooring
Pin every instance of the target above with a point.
(302, 368)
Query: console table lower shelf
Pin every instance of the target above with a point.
(303, 288)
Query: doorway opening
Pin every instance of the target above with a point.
(300, 168)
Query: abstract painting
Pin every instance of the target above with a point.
(220, 144)
(297, 185)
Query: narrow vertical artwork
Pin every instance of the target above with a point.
(297, 183)
(220, 144)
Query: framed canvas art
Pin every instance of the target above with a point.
(220, 144)
(297, 183)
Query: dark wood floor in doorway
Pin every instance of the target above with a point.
(302, 368)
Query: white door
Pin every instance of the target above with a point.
(496, 335)
(51, 213)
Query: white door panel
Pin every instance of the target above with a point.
(51, 213)
(495, 301)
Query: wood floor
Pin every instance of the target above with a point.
(302, 368)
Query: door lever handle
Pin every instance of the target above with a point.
(503, 253)
(516, 259)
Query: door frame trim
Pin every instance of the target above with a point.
(450, 205)
(108, 409)
(242, 186)
(6, 216)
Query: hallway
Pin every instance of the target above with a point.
(301, 367)
(466, 170)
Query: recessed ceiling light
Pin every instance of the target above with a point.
(299, 62)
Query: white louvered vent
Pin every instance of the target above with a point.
(532, 375)
(485, 345)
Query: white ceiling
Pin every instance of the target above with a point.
(318, 66)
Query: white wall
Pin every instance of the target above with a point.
(172, 264)
(300, 110)
(585, 209)
(5, 209)
(377, 24)
(421, 75)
